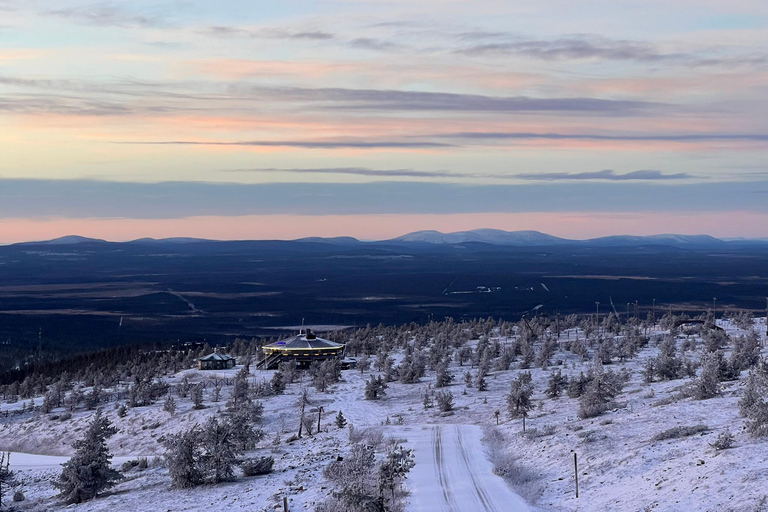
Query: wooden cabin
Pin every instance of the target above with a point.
(216, 361)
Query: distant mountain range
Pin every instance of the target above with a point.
(476, 236)
(536, 238)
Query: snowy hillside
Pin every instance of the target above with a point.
(653, 447)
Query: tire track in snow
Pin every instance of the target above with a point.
(437, 444)
(487, 501)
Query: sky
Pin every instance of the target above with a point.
(252, 119)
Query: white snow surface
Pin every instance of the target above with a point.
(453, 474)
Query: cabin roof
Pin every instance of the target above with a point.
(216, 357)
(302, 341)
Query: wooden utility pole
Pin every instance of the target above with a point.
(285, 503)
(319, 414)
(524, 415)
(576, 472)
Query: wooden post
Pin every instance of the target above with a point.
(285, 503)
(319, 413)
(576, 473)
(524, 415)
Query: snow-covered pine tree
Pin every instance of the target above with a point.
(89, 472)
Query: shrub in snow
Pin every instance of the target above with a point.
(556, 384)
(182, 454)
(723, 442)
(170, 405)
(444, 400)
(707, 385)
(667, 365)
(18, 497)
(374, 388)
(753, 404)
(122, 411)
(258, 466)
(714, 340)
(746, 351)
(480, 380)
(394, 469)
(681, 431)
(143, 463)
(197, 396)
(443, 376)
(89, 471)
(65, 416)
(278, 383)
(602, 387)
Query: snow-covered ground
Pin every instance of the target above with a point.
(453, 473)
(621, 468)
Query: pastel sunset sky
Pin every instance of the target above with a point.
(283, 119)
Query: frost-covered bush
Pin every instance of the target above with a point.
(723, 442)
(18, 497)
(258, 466)
(375, 388)
(507, 466)
(680, 431)
(601, 389)
(753, 404)
(556, 384)
(444, 400)
(707, 385)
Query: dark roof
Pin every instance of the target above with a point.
(216, 357)
(303, 341)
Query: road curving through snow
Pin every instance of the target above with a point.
(453, 474)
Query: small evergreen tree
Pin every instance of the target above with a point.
(182, 456)
(341, 421)
(707, 385)
(753, 404)
(197, 397)
(374, 388)
(170, 405)
(89, 472)
(444, 400)
(519, 397)
(556, 384)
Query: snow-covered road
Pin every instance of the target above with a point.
(453, 474)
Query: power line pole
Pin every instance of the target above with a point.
(597, 317)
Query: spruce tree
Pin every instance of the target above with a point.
(89, 471)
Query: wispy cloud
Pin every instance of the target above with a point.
(228, 31)
(606, 174)
(306, 144)
(359, 171)
(380, 99)
(575, 47)
(108, 14)
(684, 137)
(379, 45)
